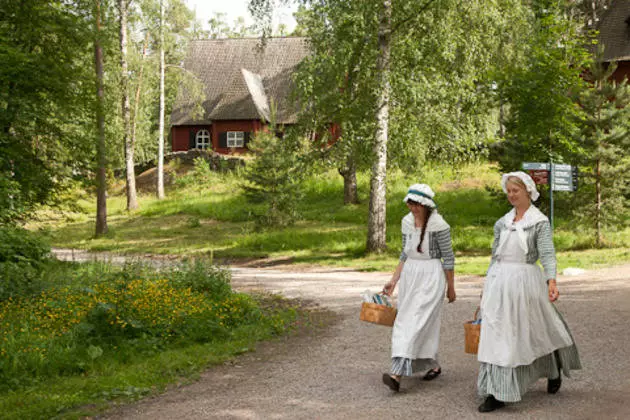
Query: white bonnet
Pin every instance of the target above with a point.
(530, 185)
(421, 193)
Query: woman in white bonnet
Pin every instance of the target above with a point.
(424, 273)
(523, 336)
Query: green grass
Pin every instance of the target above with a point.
(214, 219)
(78, 396)
(95, 333)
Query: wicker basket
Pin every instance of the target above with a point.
(472, 333)
(378, 314)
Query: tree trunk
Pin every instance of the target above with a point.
(501, 118)
(598, 203)
(136, 104)
(101, 180)
(132, 201)
(349, 173)
(377, 227)
(160, 165)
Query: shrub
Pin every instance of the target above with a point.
(274, 177)
(202, 278)
(68, 329)
(22, 258)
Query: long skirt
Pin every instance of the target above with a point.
(523, 336)
(416, 332)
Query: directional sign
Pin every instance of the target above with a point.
(540, 177)
(564, 178)
(560, 187)
(561, 167)
(536, 166)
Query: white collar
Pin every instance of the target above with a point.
(435, 223)
(530, 218)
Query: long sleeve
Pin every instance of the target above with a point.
(495, 244)
(445, 245)
(546, 250)
(403, 254)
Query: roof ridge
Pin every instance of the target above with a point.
(248, 38)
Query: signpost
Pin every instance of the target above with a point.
(562, 177)
(540, 177)
(558, 176)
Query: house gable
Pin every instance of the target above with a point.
(219, 65)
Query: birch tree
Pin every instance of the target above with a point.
(160, 165)
(423, 70)
(136, 103)
(377, 222)
(132, 202)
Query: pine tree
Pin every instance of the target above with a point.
(274, 177)
(605, 137)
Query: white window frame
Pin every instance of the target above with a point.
(235, 139)
(203, 140)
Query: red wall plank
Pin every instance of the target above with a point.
(248, 126)
(623, 71)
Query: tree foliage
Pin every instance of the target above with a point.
(273, 178)
(419, 86)
(45, 101)
(444, 64)
(47, 92)
(541, 117)
(604, 140)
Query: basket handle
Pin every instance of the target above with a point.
(475, 316)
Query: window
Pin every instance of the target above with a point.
(235, 139)
(202, 140)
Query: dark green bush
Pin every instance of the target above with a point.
(202, 278)
(22, 260)
(92, 314)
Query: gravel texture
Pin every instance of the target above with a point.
(336, 373)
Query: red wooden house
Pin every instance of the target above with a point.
(242, 82)
(614, 35)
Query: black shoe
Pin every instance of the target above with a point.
(392, 383)
(432, 374)
(490, 404)
(553, 385)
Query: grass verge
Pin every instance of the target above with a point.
(80, 344)
(211, 219)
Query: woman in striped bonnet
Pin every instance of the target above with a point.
(523, 336)
(424, 273)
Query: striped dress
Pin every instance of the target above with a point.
(422, 285)
(523, 336)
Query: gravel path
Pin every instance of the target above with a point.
(336, 374)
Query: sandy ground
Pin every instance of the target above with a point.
(336, 374)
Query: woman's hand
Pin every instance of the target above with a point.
(389, 287)
(554, 293)
(450, 294)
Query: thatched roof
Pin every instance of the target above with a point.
(242, 79)
(614, 31)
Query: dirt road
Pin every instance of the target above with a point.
(337, 374)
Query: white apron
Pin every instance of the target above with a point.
(519, 323)
(421, 289)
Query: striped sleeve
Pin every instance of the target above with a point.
(445, 245)
(403, 254)
(546, 250)
(495, 244)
